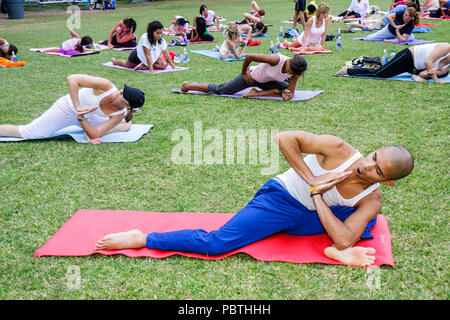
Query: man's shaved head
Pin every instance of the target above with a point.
(401, 160)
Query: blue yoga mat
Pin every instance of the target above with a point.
(135, 132)
(402, 77)
(215, 55)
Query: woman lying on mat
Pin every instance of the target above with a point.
(443, 11)
(74, 45)
(269, 75)
(229, 47)
(426, 61)
(7, 49)
(93, 103)
(313, 38)
(256, 15)
(333, 190)
(179, 25)
(122, 35)
(399, 28)
(147, 55)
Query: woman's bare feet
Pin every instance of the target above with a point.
(185, 86)
(133, 239)
(342, 71)
(353, 256)
(418, 78)
(251, 93)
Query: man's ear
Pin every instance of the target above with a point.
(388, 183)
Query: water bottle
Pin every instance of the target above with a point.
(385, 57)
(277, 44)
(185, 39)
(392, 55)
(13, 57)
(185, 56)
(272, 50)
(339, 40)
(281, 32)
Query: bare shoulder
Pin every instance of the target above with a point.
(371, 202)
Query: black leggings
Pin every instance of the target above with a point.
(402, 62)
(129, 44)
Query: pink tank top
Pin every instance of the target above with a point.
(264, 72)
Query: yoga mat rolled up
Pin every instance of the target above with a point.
(77, 237)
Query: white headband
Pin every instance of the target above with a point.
(4, 45)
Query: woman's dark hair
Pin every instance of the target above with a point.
(85, 41)
(200, 23)
(415, 5)
(311, 8)
(202, 7)
(11, 49)
(298, 64)
(181, 21)
(130, 23)
(260, 26)
(152, 27)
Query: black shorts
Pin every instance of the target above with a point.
(300, 5)
(133, 57)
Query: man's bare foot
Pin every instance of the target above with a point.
(133, 239)
(353, 256)
(185, 86)
(418, 78)
(251, 93)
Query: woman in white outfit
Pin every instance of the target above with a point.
(313, 38)
(93, 103)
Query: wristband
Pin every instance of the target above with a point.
(80, 119)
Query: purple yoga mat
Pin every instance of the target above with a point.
(299, 95)
(168, 69)
(413, 42)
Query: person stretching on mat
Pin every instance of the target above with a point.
(269, 75)
(122, 35)
(147, 55)
(313, 38)
(426, 61)
(333, 190)
(93, 103)
(399, 28)
(229, 47)
(73, 46)
(357, 9)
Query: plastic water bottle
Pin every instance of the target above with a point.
(392, 55)
(339, 40)
(277, 44)
(280, 34)
(272, 50)
(185, 39)
(385, 57)
(13, 57)
(185, 56)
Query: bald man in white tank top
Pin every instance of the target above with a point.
(334, 190)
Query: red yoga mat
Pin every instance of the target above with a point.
(77, 237)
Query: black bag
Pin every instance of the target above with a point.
(367, 62)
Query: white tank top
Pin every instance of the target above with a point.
(315, 34)
(421, 54)
(87, 97)
(299, 188)
(264, 72)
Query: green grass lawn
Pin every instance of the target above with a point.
(42, 183)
